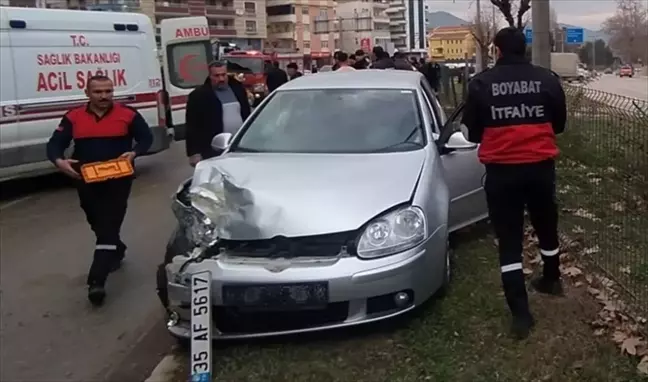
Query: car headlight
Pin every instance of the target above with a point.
(198, 227)
(392, 233)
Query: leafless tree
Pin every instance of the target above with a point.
(508, 9)
(628, 29)
(483, 32)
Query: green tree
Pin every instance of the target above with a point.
(597, 53)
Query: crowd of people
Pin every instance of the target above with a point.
(343, 62)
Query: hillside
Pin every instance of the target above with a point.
(443, 19)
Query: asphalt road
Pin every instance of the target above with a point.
(636, 87)
(49, 332)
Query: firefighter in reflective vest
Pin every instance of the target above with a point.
(515, 110)
(101, 130)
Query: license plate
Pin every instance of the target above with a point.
(201, 358)
(276, 296)
(101, 171)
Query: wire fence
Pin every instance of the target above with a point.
(602, 184)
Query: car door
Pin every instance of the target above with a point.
(464, 174)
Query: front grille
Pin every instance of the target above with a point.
(291, 247)
(236, 320)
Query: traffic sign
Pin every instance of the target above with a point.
(528, 33)
(574, 35)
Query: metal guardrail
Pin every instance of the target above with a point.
(602, 184)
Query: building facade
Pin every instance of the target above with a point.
(363, 24)
(242, 22)
(452, 44)
(291, 23)
(407, 25)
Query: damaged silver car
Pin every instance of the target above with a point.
(330, 207)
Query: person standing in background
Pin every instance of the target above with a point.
(275, 76)
(343, 61)
(293, 71)
(101, 130)
(220, 105)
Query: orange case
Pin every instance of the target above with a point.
(101, 171)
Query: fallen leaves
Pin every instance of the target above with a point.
(615, 318)
(642, 368)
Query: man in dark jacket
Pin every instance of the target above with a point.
(275, 77)
(401, 62)
(361, 61)
(515, 111)
(381, 59)
(219, 105)
(432, 72)
(293, 71)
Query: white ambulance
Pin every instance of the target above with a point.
(47, 55)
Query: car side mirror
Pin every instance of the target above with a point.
(221, 141)
(458, 142)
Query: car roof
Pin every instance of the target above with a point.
(359, 79)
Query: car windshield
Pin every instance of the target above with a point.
(244, 64)
(335, 121)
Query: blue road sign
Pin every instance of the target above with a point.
(528, 33)
(574, 36)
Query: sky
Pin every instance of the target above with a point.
(584, 13)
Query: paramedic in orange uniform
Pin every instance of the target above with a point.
(101, 130)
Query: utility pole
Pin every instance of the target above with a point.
(541, 20)
(479, 64)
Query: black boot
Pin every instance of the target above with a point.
(119, 257)
(96, 294)
(548, 286)
(521, 326)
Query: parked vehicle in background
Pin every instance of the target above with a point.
(46, 59)
(626, 71)
(317, 248)
(252, 65)
(566, 66)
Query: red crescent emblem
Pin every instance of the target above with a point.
(188, 68)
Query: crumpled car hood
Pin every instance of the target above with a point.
(260, 196)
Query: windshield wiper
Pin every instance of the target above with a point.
(404, 144)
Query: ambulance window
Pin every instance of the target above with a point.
(188, 63)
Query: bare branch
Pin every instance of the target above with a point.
(505, 7)
(525, 5)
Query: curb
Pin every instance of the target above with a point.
(165, 370)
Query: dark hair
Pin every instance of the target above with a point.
(359, 52)
(336, 55)
(352, 57)
(217, 64)
(275, 64)
(378, 50)
(342, 56)
(97, 78)
(511, 42)
(292, 65)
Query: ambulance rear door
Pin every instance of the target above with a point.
(186, 53)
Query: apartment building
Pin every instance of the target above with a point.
(407, 25)
(452, 44)
(363, 24)
(291, 27)
(242, 22)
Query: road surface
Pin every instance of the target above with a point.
(49, 331)
(636, 87)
